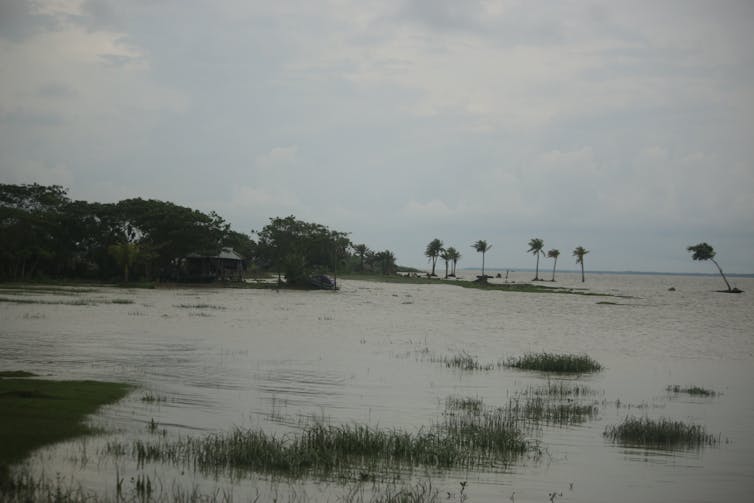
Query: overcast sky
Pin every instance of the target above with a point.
(626, 127)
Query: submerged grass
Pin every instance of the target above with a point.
(77, 302)
(201, 306)
(39, 412)
(551, 362)
(465, 361)
(691, 390)
(660, 433)
(463, 440)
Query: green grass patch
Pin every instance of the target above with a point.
(691, 390)
(41, 412)
(660, 433)
(551, 362)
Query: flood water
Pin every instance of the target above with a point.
(371, 354)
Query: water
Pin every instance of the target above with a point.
(222, 358)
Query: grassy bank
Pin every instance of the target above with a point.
(41, 412)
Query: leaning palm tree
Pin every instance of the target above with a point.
(535, 247)
(703, 251)
(554, 254)
(579, 253)
(455, 256)
(433, 252)
(482, 247)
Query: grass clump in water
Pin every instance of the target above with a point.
(201, 306)
(551, 362)
(661, 433)
(465, 361)
(344, 450)
(691, 390)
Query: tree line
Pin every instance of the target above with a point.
(45, 234)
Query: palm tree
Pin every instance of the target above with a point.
(445, 255)
(361, 250)
(535, 247)
(125, 255)
(455, 256)
(703, 251)
(387, 261)
(433, 252)
(579, 253)
(553, 254)
(482, 247)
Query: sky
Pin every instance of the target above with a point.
(625, 127)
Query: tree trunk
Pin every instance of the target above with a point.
(722, 274)
(482, 264)
(582, 270)
(553, 268)
(536, 272)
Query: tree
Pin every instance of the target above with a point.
(299, 249)
(362, 251)
(386, 261)
(579, 253)
(455, 256)
(482, 247)
(125, 255)
(447, 258)
(32, 238)
(703, 251)
(535, 247)
(433, 252)
(554, 254)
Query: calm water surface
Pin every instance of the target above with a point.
(221, 358)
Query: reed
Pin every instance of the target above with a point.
(551, 362)
(661, 433)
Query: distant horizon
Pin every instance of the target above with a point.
(578, 271)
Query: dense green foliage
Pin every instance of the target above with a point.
(45, 235)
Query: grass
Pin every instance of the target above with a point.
(201, 306)
(660, 433)
(691, 390)
(504, 287)
(461, 440)
(465, 361)
(559, 363)
(77, 302)
(41, 412)
(16, 373)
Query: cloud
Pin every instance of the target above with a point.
(399, 121)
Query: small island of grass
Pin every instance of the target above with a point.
(551, 362)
